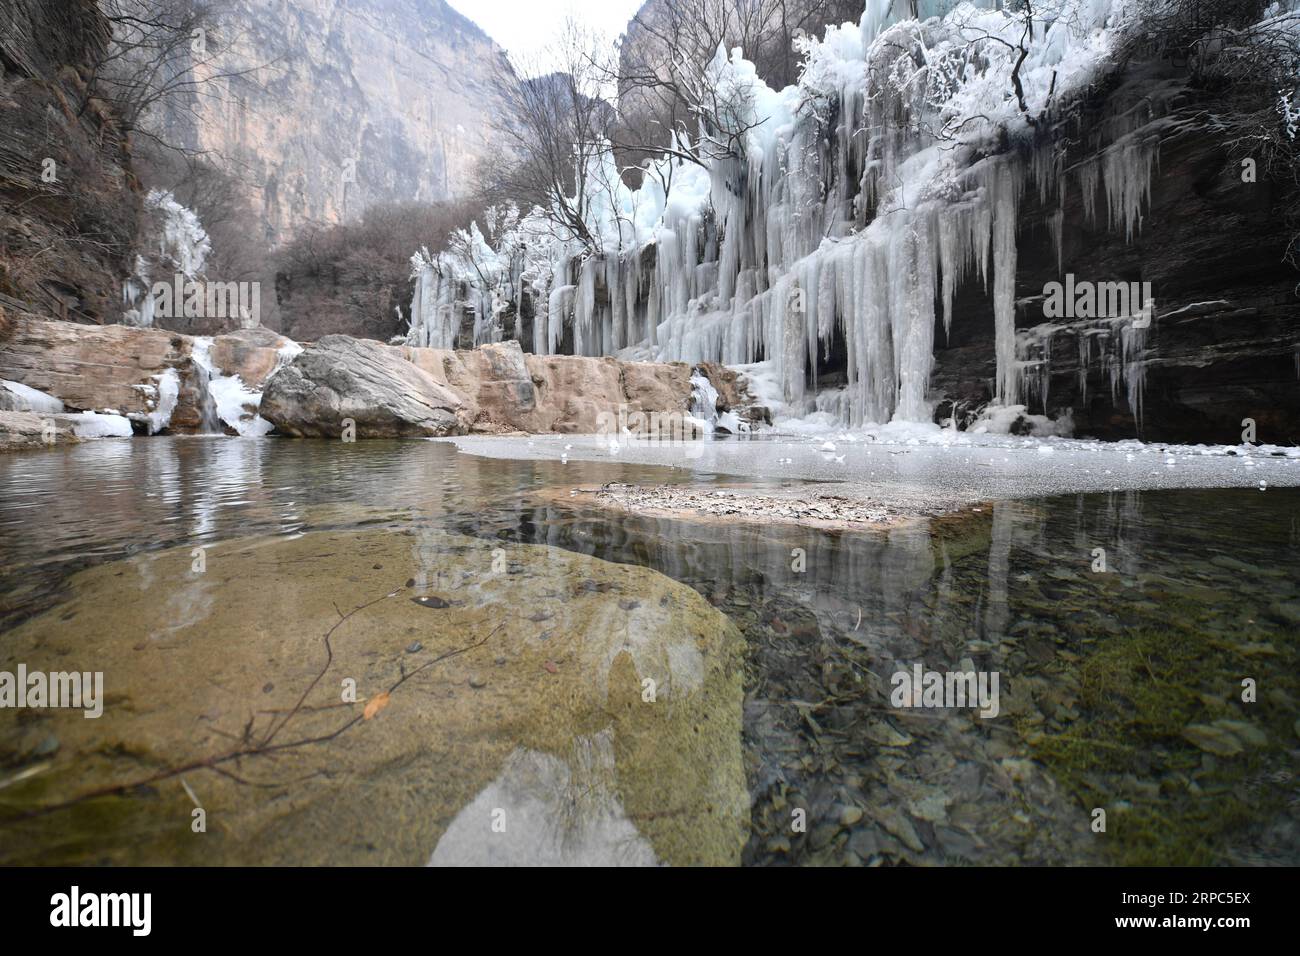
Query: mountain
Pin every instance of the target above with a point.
(325, 107)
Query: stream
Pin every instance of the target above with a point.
(1159, 686)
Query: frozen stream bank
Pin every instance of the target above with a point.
(930, 472)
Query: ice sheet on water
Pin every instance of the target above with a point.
(909, 463)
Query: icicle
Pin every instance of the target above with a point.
(1005, 184)
(912, 284)
(1126, 167)
(1089, 175)
(1057, 225)
(1133, 339)
(557, 310)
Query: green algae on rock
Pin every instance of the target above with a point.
(590, 711)
(1165, 742)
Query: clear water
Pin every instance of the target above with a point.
(1101, 672)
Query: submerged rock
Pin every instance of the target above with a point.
(626, 749)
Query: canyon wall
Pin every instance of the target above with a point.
(69, 203)
(1223, 344)
(339, 104)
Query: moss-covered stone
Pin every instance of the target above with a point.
(1165, 743)
(543, 702)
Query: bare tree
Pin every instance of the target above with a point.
(669, 46)
(355, 277)
(1249, 69)
(557, 128)
(163, 54)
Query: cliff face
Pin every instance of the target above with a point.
(69, 205)
(346, 103)
(1223, 343)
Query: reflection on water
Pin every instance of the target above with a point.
(1122, 626)
(559, 815)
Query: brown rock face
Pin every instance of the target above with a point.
(386, 391)
(94, 368)
(252, 354)
(391, 391)
(504, 389)
(65, 173)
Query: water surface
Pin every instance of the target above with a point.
(1121, 626)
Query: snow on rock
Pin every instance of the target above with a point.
(230, 400)
(99, 425)
(169, 388)
(704, 401)
(17, 397)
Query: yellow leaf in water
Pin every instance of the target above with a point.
(375, 705)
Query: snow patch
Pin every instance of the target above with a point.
(169, 389)
(97, 425)
(33, 399)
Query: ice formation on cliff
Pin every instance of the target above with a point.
(865, 196)
(183, 248)
(226, 399)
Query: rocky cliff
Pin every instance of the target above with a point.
(334, 105)
(1223, 344)
(69, 204)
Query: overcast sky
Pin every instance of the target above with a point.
(525, 27)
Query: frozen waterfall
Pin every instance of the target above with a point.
(865, 197)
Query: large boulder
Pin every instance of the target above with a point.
(252, 354)
(514, 704)
(341, 378)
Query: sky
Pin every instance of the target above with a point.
(525, 27)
